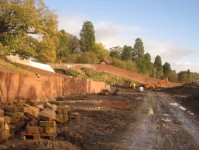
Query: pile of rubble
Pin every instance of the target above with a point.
(34, 120)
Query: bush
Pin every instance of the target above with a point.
(87, 58)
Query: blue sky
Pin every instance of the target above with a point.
(169, 28)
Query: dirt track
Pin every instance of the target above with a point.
(168, 128)
(130, 121)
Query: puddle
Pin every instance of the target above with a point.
(167, 120)
(151, 111)
(177, 105)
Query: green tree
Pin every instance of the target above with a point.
(115, 52)
(62, 50)
(28, 28)
(101, 51)
(73, 43)
(87, 58)
(145, 65)
(173, 76)
(138, 50)
(127, 53)
(188, 76)
(158, 66)
(87, 37)
(182, 76)
(166, 68)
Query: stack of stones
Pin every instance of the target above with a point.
(4, 128)
(15, 116)
(36, 121)
(43, 126)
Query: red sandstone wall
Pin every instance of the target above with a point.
(45, 88)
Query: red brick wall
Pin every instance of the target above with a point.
(44, 88)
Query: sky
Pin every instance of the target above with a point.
(169, 28)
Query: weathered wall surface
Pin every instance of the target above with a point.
(44, 88)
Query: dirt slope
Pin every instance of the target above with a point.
(115, 70)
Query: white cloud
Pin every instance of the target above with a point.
(185, 65)
(114, 34)
(71, 23)
(175, 56)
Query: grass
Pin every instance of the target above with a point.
(12, 67)
(151, 102)
(144, 111)
(87, 73)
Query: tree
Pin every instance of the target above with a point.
(73, 43)
(188, 76)
(173, 76)
(115, 52)
(101, 51)
(145, 65)
(158, 66)
(63, 49)
(87, 37)
(138, 50)
(127, 53)
(28, 28)
(182, 76)
(87, 58)
(166, 68)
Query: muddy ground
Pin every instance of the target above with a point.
(129, 121)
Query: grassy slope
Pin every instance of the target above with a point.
(6, 66)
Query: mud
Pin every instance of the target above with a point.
(130, 121)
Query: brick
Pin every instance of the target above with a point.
(47, 124)
(47, 115)
(1, 112)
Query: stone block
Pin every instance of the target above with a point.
(7, 119)
(47, 115)
(4, 135)
(34, 122)
(11, 108)
(1, 112)
(33, 129)
(32, 110)
(50, 130)
(10, 114)
(47, 124)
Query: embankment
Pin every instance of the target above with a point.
(117, 71)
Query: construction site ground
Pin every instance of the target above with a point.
(131, 120)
